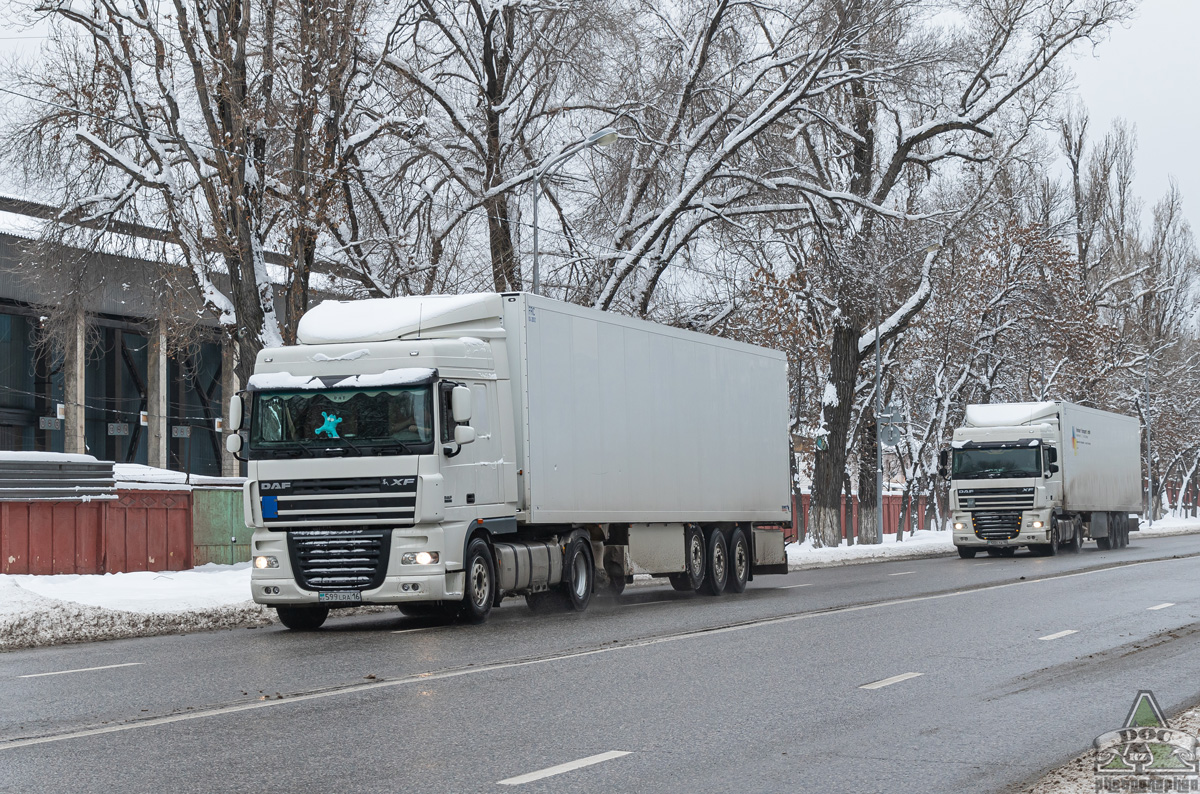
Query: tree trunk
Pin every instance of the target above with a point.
(868, 525)
(824, 524)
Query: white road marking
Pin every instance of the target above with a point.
(644, 603)
(82, 670)
(558, 770)
(1160, 606)
(889, 681)
(422, 678)
(422, 628)
(902, 573)
(794, 586)
(981, 564)
(1066, 633)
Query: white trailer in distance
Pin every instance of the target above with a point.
(443, 452)
(1045, 475)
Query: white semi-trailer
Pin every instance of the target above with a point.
(1044, 475)
(443, 452)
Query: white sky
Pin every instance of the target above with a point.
(1148, 73)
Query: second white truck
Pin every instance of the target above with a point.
(1044, 475)
(441, 453)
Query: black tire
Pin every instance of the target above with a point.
(1123, 531)
(302, 618)
(739, 562)
(1008, 551)
(716, 564)
(1073, 545)
(695, 552)
(480, 585)
(579, 574)
(615, 573)
(966, 552)
(1050, 549)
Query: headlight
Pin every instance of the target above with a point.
(419, 558)
(266, 562)
(1038, 525)
(959, 525)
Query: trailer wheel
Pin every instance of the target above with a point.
(966, 552)
(481, 583)
(716, 571)
(579, 574)
(739, 562)
(302, 618)
(696, 552)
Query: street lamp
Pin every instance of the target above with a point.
(603, 137)
(930, 251)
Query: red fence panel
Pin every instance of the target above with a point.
(138, 531)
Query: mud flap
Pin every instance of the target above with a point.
(769, 554)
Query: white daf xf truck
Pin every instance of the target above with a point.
(1044, 475)
(443, 452)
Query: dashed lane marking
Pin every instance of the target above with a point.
(889, 681)
(902, 573)
(558, 770)
(1060, 634)
(1160, 606)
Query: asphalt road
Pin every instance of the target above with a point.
(986, 673)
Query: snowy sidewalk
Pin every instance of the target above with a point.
(48, 610)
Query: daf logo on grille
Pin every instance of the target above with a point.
(276, 486)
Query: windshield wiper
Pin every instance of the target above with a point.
(357, 449)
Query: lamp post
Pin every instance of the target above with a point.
(602, 137)
(933, 249)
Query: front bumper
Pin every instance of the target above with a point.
(1027, 534)
(401, 584)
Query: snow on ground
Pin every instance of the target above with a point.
(925, 543)
(48, 610)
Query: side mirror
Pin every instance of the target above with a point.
(943, 472)
(233, 443)
(235, 414)
(1052, 469)
(460, 405)
(464, 434)
(943, 459)
(1052, 456)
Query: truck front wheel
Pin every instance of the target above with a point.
(302, 618)
(481, 583)
(966, 552)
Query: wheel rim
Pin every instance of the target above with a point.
(579, 575)
(739, 561)
(697, 555)
(718, 564)
(480, 583)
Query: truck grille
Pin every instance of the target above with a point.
(355, 559)
(992, 498)
(997, 526)
(361, 499)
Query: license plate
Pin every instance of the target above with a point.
(324, 597)
(996, 543)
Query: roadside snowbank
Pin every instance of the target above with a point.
(925, 543)
(48, 610)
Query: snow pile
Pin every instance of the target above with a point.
(1168, 526)
(134, 476)
(925, 543)
(47, 610)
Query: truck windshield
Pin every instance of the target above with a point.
(994, 463)
(400, 419)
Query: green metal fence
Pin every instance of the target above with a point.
(219, 531)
